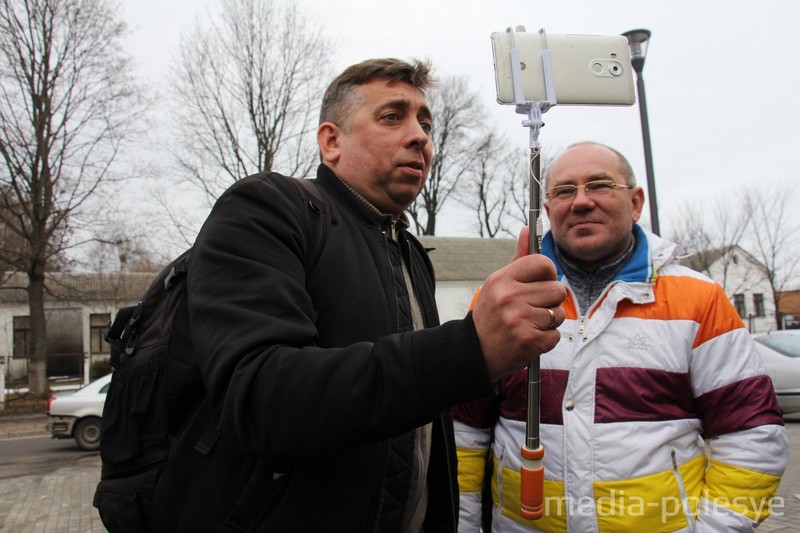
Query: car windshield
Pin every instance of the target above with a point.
(786, 343)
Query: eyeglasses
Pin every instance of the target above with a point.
(593, 189)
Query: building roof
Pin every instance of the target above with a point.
(453, 258)
(704, 259)
(79, 287)
(468, 259)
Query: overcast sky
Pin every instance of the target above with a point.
(721, 77)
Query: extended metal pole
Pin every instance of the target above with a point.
(535, 245)
(532, 452)
(648, 154)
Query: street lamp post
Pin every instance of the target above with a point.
(637, 40)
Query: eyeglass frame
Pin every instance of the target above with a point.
(587, 188)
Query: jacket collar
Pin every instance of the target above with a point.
(362, 205)
(649, 255)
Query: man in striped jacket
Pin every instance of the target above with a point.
(657, 413)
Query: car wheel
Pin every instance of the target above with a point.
(87, 433)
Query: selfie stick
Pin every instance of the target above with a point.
(532, 452)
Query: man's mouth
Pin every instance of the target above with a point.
(417, 167)
(583, 225)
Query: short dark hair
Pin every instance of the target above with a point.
(341, 97)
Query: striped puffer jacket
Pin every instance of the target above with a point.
(657, 414)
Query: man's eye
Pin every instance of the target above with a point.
(563, 192)
(599, 186)
(426, 127)
(391, 117)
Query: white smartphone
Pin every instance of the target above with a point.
(587, 69)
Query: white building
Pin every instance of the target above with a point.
(79, 306)
(77, 310)
(744, 281)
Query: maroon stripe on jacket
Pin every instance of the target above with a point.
(642, 394)
(477, 413)
(514, 396)
(742, 405)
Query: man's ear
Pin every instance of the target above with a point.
(328, 140)
(637, 200)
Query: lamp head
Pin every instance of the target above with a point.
(637, 40)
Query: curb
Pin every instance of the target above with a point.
(21, 425)
(24, 434)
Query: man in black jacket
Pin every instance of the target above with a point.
(331, 384)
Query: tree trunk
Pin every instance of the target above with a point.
(37, 362)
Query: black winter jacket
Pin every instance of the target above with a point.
(315, 380)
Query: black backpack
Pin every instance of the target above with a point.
(157, 386)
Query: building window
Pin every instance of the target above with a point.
(758, 304)
(98, 323)
(738, 302)
(22, 335)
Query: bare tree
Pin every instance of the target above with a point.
(756, 222)
(710, 237)
(248, 89)
(774, 237)
(518, 188)
(490, 180)
(67, 104)
(123, 251)
(458, 121)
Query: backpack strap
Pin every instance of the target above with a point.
(118, 332)
(178, 270)
(317, 218)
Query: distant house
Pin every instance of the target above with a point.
(77, 310)
(742, 276)
(461, 265)
(789, 307)
(79, 306)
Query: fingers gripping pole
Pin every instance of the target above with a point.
(532, 452)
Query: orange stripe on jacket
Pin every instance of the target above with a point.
(687, 298)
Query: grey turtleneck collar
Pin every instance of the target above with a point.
(588, 286)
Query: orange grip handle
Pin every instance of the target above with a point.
(532, 483)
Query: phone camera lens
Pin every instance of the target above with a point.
(615, 69)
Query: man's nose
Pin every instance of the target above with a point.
(581, 198)
(418, 135)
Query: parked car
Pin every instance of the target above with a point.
(76, 415)
(780, 351)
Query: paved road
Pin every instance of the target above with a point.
(59, 499)
(49, 500)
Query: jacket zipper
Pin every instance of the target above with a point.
(681, 487)
(386, 238)
(412, 292)
(382, 497)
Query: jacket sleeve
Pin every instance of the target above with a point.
(275, 390)
(742, 422)
(474, 427)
